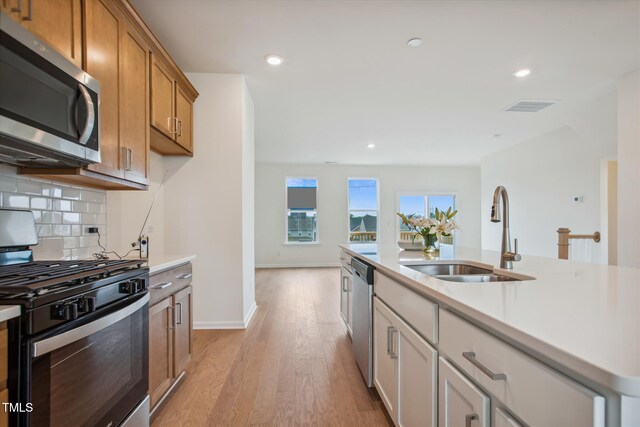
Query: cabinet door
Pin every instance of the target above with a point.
(417, 379)
(184, 114)
(461, 403)
(134, 106)
(502, 419)
(162, 99)
(344, 297)
(102, 63)
(56, 22)
(385, 368)
(182, 333)
(160, 349)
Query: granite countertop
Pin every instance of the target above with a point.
(584, 317)
(9, 312)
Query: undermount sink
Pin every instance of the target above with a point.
(448, 269)
(464, 273)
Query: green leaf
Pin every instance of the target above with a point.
(453, 214)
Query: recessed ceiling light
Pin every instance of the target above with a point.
(371, 146)
(522, 73)
(274, 59)
(415, 42)
(331, 162)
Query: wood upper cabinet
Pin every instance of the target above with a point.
(119, 59)
(160, 349)
(184, 116)
(103, 34)
(182, 333)
(171, 112)
(134, 106)
(162, 99)
(57, 22)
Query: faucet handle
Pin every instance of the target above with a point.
(515, 256)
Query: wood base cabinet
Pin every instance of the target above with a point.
(170, 330)
(4, 370)
(405, 370)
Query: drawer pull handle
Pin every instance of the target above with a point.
(392, 354)
(471, 357)
(468, 419)
(163, 285)
(184, 276)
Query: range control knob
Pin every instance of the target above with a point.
(133, 286)
(65, 311)
(87, 304)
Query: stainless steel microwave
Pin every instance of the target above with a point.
(49, 108)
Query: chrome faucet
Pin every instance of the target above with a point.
(506, 256)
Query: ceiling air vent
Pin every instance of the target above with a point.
(529, 106)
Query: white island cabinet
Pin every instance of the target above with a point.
(476, 371)
(404, 369)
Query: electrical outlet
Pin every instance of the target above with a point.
(92, 230)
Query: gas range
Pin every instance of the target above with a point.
(78, 353)
(55, 292)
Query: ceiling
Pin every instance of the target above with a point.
(349, 78)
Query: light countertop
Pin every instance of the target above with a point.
(583, 317)
(162, 262)
(9, 312)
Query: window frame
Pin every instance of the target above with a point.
(377, 210)
(425, 195)
(287, 211)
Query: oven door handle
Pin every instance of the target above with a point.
(48, 345)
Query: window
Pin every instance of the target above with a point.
(420, 204)
(302, 212)
(363, 209)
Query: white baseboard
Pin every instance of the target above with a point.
(249, 316)
(228, 324)
(300, 265)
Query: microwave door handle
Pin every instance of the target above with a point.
(91, 116)
(48, 345)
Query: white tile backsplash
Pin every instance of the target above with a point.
(63, 213)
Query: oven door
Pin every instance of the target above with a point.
(94, 374)
(49, 107)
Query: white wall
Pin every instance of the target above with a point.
(248, 217)
(126, 211)
(629, 170)
(332, 206)
(205, 198)
(541, 177)
(205, 206)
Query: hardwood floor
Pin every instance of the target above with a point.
(293, 366)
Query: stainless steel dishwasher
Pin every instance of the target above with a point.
(362, 328)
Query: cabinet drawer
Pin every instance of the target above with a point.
(416, 310)
(531, 390)
(168, 282)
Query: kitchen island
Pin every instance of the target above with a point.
(580, 320)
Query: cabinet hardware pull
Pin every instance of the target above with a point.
(179, 317)
(173, 317)
(175, 126)
(19, 8)
(29, 12)
(179, 127)
(471, 357)
(344, 282)
(394, 353)
(468, 419)
(184, 276)
(390, 352)
(163, 285)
